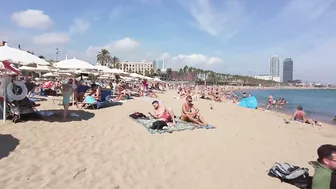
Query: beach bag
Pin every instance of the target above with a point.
(137, 115)
(291, 174)
(158, 125)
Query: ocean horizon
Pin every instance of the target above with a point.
(319, 104)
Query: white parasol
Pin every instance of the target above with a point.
(75, 64)
(18, 56)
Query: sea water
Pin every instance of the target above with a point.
(319, 104)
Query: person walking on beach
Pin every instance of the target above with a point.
(270, 102)
(325, 170)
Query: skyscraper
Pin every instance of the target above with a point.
(275, 66)
(159, 64)
(287, 75)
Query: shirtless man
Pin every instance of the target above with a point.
(299, 115)
(191, 114)
(162, 113)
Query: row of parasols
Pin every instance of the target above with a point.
(24, 60)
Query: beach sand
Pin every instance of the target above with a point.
(110, 151)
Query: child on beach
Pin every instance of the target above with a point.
(66, 93)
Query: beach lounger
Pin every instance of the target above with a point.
(95, 104)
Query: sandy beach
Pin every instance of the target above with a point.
(111, 151)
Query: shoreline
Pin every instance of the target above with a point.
(321, 117)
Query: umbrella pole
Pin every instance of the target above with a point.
(73, 92)
(4, 99)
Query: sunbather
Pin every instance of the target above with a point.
(163, 113)
(191, 114)
(299, 115)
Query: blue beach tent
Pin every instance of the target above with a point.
(250, 102)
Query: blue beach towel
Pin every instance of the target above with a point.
(90, 100)
(250, 102)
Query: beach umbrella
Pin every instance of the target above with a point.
(135, 75)
(75, 64)
(117, 71)
(18, 56)
(104, 69)
(49, 74)
(38, 68)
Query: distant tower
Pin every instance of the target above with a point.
(288, 70)
(275, 66)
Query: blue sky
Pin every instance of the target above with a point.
(229, 36)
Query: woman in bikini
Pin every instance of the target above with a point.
(191, 114)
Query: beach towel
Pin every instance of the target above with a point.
(180, 126)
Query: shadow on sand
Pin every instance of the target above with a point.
(73, 115)
(8, 143)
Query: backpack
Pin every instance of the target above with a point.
(291, 174)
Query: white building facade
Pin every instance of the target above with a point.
(137, 67)
(275, 66)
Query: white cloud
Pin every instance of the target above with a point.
(194, 59)
(79, 26)
(222, 19)
(123, 45)
(35, 19)
(53, 38)
(164, 56)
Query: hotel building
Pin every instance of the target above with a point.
(137, 67)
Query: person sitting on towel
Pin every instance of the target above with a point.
(162, 113)
(191, 114)
(325, 172)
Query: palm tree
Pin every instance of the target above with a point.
(158, 72)
(169, 73)
(146, 73)
(104, 57)
(180, 74)
(151, 72)
(116, 62)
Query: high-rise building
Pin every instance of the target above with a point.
(275, 66)
(287, 74)
(159, 64)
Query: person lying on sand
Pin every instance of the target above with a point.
(191, 114)
(162, 113)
